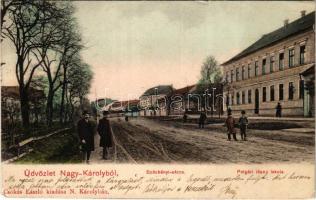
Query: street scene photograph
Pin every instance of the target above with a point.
(142, 82)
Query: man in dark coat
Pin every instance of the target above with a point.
(202, 119)
(105, 132)
(230, 124)
(278, 110)
(243, 123)
(86, 135)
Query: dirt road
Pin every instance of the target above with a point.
(144, 140)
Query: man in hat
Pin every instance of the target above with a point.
(230, 124)
(105, 132)
(86, 135)
(243, 123)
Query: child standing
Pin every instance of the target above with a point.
(243, 123)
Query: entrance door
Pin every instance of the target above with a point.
(257, 101)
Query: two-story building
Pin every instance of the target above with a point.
(273, 70)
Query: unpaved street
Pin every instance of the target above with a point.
(144, 140)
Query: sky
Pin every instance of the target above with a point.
(133, 46)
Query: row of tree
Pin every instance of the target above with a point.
(47, 43)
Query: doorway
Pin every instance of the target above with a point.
(257, 101)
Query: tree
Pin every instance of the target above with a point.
(210, 71)
(72, 47)
(63, 39)
(37, 101)
(6, 6)
(211, 77)
(79, 82)
(24, 28)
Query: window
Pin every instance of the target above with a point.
(264, 94)
(249, 70)
(231, 76)
(302, 89)
(271, 64)
(237, 74)
(291, 90)
(238, 98)
(256, 68)
(264, 62)
(302, 54)
(243, 73)
(232, 100)
(249, 96)
(291, 57)
(226, 78)
(272, 93)
(243, 97)
(281, 61)
(281, 92)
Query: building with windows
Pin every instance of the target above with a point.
(276, 68)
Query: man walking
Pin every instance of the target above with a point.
(105, 132)
(202, 119)
(86, 135)
(278, 110)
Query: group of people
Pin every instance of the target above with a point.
(86, 131)
(229, 123)
(242, 122)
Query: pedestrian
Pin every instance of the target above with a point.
(185, 116)
(243, 123)
(202, 119)
(105, 132)
(278, 110)
(85, 130)
(230, 123)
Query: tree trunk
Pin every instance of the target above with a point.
(49, 107)
(62, 115)
(25, 107)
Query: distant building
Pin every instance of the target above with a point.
(124, 106)
(279, 67)
(10, 102)
(180, 100)
(149, 100)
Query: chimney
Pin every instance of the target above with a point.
(286, 22)
(303, 13)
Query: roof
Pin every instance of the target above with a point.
(182, 91)
(200, 88)
(161, 89)
(13, 92)
(297, 26)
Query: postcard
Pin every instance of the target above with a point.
(158, 99)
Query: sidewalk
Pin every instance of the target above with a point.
(253, 117)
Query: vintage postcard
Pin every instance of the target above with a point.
(158, 99)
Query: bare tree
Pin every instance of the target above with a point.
(60, 30)
(80, 76)
(6, 6)
(71, 49)
(23, 28)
